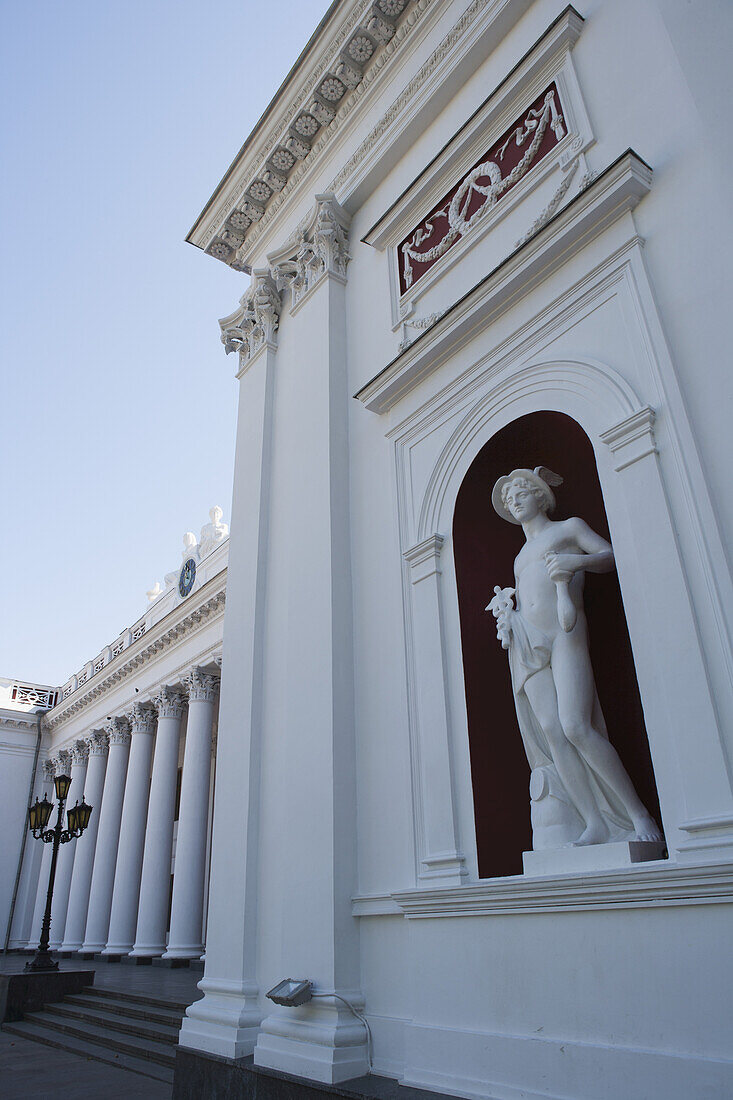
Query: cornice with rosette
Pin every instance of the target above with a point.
(169, 703)
(98, 743)
(79, 751)
(142, 718)
(201, 685)
(118, 731)
(303, 119)
(254, 324)
(143, 651)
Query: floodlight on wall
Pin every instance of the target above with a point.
(291, 992)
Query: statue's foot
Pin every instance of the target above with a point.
(595, 833)
(646, 829)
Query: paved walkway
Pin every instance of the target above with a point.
(32, 1071)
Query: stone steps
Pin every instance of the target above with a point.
(129, 1030)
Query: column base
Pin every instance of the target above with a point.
(192, 951)
(72, 948)
(149, 951)
(117, 949)
(225, 1021)
(321, 1040)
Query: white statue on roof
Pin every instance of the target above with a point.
(212, 533)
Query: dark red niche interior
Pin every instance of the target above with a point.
(512, 156)
(485, 547)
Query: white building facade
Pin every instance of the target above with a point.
(136, 731)
(474, 236)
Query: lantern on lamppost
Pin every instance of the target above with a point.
(77, 819)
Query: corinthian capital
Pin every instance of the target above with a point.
(118, 731)
(319, 247)
(169, 703)
(63, 762)
(79, 752)
(98, 743)
(256, 321)
(142, 718)
(201, 685)
(49, 770)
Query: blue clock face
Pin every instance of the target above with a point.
(187, 577)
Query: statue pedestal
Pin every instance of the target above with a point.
(591, 857)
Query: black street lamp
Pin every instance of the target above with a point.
(77, 821)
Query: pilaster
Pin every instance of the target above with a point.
(225, 1021)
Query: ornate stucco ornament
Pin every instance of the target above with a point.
(256, 321)
(320, 246)
(356, 48)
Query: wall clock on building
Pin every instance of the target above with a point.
(187, 577)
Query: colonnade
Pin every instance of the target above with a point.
(112, 887)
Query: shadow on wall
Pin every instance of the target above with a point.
(485, 547)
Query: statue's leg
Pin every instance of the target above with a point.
(575, 687)
(540, 691)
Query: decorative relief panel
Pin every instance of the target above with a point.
(530, 138)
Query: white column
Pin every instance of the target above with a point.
(81, 878)
(76, 756)
(226, 1019)
(108, 836)
(152, 914)
(123, 917)
(187, 913)
(319, 937)
(49, 771)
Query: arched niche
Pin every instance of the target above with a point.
(484, 549)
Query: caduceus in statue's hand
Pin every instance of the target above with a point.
(546, 635)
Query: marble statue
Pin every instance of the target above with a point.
(580, 791)
(154, 592)
(212, 533)
(190, 550)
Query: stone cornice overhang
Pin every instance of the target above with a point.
(205, 605)
(299, 106)
(613, 192)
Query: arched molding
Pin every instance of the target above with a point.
(659, 607)
(590, 391)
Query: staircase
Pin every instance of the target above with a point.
(129, 1030)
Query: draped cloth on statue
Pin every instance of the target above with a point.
(530, 651)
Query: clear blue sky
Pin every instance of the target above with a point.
(118, 409)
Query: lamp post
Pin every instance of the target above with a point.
(77, 819)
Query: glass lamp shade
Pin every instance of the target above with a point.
(72, 818)
(39, 814)
(83, 814)
(62, 784)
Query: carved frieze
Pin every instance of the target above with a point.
(530, 138)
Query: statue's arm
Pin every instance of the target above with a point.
(597, 556)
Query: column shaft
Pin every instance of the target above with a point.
(188, 879)
(152, 914)
(81, 878)
(108, 835)
(123, 917)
